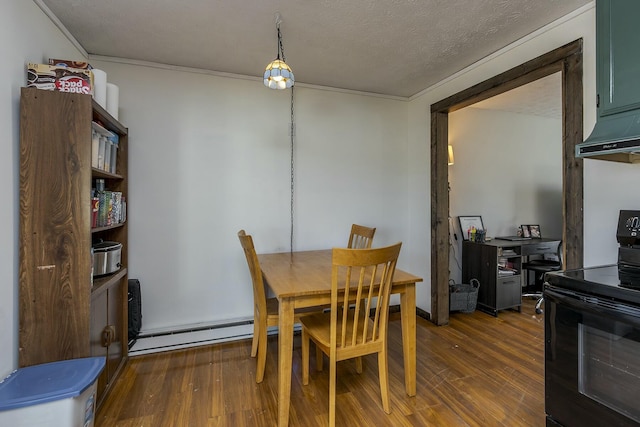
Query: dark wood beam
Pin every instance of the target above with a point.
(566, 59)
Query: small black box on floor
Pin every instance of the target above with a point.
(135, 310)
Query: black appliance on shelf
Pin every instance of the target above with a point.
(592, 338)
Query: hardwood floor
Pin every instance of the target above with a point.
(477, 371)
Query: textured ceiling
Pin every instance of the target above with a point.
(542, 97)
(391, 47)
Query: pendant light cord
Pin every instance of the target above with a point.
(292, 133)
(280, 48)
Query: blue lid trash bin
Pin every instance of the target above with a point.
(60, 394)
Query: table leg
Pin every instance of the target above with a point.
(408, 315)
(285, 354)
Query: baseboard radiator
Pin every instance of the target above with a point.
(199, 335)
(191, 336)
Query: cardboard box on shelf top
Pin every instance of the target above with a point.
(63, 79)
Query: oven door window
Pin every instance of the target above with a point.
(608, 368)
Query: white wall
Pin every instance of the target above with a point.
(508, 169)
(607, 191)
(26, 35)
(210, 155)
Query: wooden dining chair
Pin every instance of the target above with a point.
(361, 237)
(362, 277)
(265, 310)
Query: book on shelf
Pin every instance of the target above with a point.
(506, 271)
(506, 264)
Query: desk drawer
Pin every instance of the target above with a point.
(508, 292)
(539, 248)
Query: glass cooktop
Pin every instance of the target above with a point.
(608, 281)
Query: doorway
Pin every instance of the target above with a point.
(568, 61)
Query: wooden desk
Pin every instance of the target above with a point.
(481, 261)
(303, 279)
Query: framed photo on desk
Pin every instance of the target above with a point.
(532, 231)
(469, 222)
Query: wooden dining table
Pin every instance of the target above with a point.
(303, 279)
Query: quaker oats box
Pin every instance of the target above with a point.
(63, 79)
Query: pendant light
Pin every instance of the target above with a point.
(278, 74)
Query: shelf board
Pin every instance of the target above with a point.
(108, 227)
(99, 173)
(107, 120)
(104, 282)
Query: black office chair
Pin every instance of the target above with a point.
(540, 267)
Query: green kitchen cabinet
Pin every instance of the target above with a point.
(617, 55)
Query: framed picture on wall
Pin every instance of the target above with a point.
(469, 222)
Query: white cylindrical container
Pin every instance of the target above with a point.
(100, 87)
(114, 157)
(95, 147)
(113, 93)
(101, 148)
(107, 155)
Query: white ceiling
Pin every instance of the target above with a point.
(390, 47)
(542, 97)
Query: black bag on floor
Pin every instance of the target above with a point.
(135, 310)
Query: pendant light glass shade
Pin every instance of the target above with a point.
(278, 75)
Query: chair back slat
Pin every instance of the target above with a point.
(363, 277)
(339, 308)
(259, 294)
(361, 237)
(380, 306)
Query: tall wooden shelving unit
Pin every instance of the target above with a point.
(62, 314)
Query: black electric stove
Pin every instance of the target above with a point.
(621, 281)
(608, 281)
(592, 338)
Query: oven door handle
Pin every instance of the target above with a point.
(587, 303)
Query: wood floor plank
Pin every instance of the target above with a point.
(477, 371)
